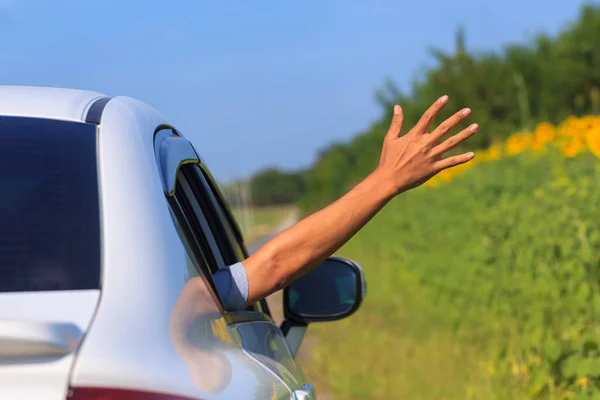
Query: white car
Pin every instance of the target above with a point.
(110, 230)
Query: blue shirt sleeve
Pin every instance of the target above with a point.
(232, 286)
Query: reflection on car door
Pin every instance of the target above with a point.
(192, 188)
(261, 338)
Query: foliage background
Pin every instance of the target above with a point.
(486, 283)
(547, 79)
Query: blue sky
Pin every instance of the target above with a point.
(254, 83)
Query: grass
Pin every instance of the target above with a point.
(394, 346)
(262, 219)
(485, 288)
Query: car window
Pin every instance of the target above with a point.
(236, 248)
(206, 221)
(49, 205)
(187, 201)
(188, 187)
(196, 256)
(220, 241)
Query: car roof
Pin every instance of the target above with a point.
(46, 102)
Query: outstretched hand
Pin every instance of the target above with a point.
(410, 160)
(406, 162)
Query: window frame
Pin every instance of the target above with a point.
(200, 196)
(187, 191)
(211, 213)
(187, 224)
(223, 212)
(209, 207)
(195, 250)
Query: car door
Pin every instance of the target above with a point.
(188, 189)
(262, 338)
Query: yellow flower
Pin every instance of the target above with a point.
(593, 141)
(494, 152)
(544, 132)
(538, 145)
(569, 151)
(572, 147)
(518, 143)
(573, 136)
(583, 382)
(445, 175)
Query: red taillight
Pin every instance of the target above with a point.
(86, 393)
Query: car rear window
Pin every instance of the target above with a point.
(49, 207)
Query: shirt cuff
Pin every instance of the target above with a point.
(232, 286)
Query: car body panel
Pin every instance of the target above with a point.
(46, 102)
(50, 374)
(155, 325)
(74, 306)
(260, 337)
(265, 342)
(40, 331)
(115, 354)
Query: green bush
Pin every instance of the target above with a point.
(496, 273)
(547, 79)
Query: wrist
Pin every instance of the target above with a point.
(384, 183)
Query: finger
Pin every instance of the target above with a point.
(396, 124)
(453, 161)
(455, 140)
(423, 125)
(450, 123)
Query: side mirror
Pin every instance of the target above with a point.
(332, 291)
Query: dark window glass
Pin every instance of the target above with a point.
(236, 251)
(49, 208)
(198, 222)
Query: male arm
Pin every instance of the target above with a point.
(406, 162)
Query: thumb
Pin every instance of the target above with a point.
(396, 124)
